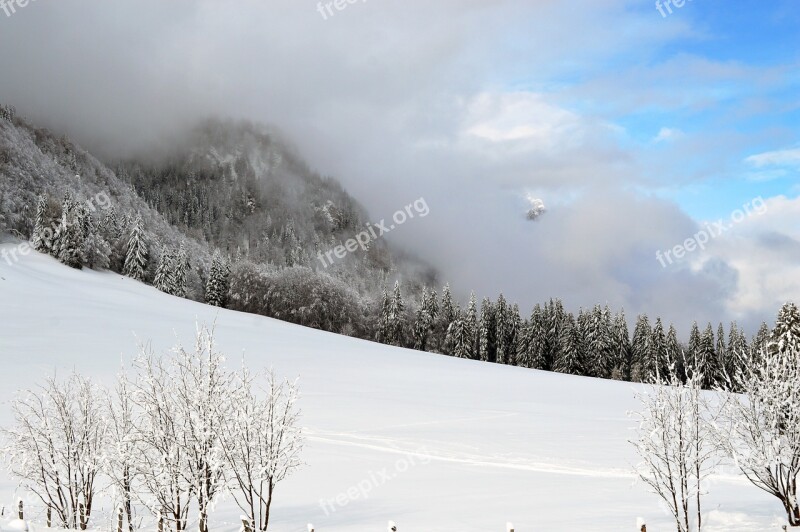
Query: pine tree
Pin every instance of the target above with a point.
(447, 308)
(218, 282)
(164, 272)
(528, 346)
(180, 272)
(554, 319)
(444, 317)
(760, 342)
(674, 354)
(640, 347)
(488, 332)
(724, 363)
(68, 240)
(785, 336)
(573, 349)
(471, 327)
(622, 345)
(525, 342)
(458, 340)
(508, 323)
(596, 327)
(96, 251)
(707, 357)
(41, 239)
(693, 355)
(383, 334)
(503, 323)
(657, 366)
(426, 314)
(396, 317)
(739, 356)
(136, 256)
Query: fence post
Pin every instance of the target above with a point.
(160, 522)
(20, 511)
(49, 517)
(119, 519)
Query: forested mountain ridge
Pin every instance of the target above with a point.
(228, 186)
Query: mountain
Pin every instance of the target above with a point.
(231, 186)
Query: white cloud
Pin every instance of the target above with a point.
(522, 116)
(667, 135)
(789, 157)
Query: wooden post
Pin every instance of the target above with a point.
(643, 529)
(119, 519)
(160, 522)
(20, 511)
(82, 515)
(49, 517)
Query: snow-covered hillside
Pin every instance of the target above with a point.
(437, 444)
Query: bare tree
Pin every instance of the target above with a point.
(165, 481)
(760, 430)
(262, 443)
(122, 447)
(202, 392)
(674, 444)
(56, 446)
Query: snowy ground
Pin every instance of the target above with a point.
(439, 444)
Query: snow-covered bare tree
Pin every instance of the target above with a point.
(675, 445)
(202, 395)
(760, 429)
(262, 442)
(122, 446)
(56, 445)
(183, 401)
(165, 479)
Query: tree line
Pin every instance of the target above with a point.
(594, 342)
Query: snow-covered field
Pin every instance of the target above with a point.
(436, 444)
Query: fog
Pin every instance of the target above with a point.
(470, 104)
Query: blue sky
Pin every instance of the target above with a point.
(734, 70)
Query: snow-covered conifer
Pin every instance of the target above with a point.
(136, 257)
(218, 282)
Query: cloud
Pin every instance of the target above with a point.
(666, 134)
(468, 103)
(789, 157)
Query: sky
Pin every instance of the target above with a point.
(637, 127)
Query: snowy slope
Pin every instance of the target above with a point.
(440, 444)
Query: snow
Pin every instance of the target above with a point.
(442, 444)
